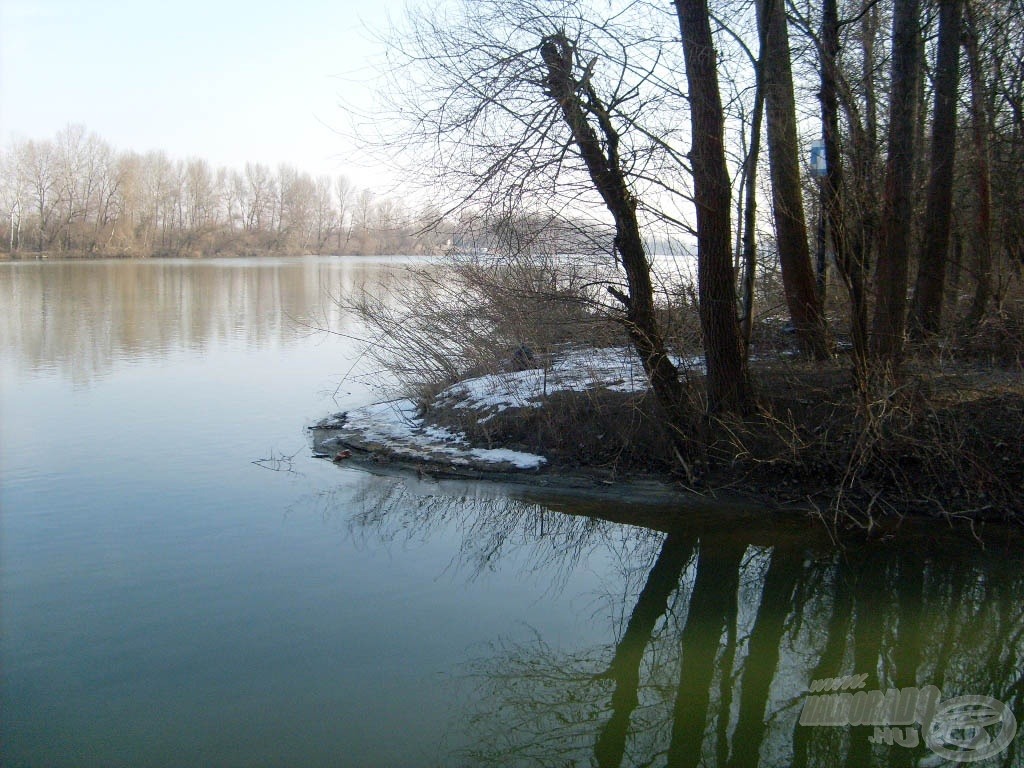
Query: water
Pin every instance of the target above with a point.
(182, 584)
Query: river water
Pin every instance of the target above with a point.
(182, 584)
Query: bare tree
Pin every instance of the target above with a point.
(805, 306)
(107, 190)
(129, 202)
(199, 206)
(849, 238)
(344, 192)
(980, 127)
(258, 192)
(294, 210)
(325, 217)
(362, 215)
(74, 180)
(926, 311)
(78, 195)
(35, 164)
(581, 109)
(747, 235)
(893, 252)
(728, 384)
(13, 193)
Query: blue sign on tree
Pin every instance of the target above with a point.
(819, 167)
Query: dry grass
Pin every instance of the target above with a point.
(470, 315)
(945, 441)
(944, 437)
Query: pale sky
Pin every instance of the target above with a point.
(225, 80)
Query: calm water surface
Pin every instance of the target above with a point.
(169, 599)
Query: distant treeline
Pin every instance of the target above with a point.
(74, 194)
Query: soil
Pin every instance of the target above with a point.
(945, 440)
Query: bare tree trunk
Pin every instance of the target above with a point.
(787, 199)
(821, 249)
(920, 116)
(868, 155)
(848, 247)
(893, 253)
(728, 385)
(603, 165)
(749, 225)
(955, 269)
(926, 311)
(982, 178)
(868, 31)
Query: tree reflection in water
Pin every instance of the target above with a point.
(717, 643)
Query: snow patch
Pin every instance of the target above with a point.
(617, 369)
(396, 427)
(518, 459)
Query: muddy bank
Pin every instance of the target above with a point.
(343, 439)
(949, 442)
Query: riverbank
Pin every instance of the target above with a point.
(948, 441)
(105, 255)
(120, 256)
(232, 251)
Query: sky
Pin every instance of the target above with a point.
(225, 80)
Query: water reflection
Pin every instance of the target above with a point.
(712, 653)
(493, 528)
(80, 317)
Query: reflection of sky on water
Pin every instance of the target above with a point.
(81, 317)
(714, 633)
(167, 601)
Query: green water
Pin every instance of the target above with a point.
(169, 597)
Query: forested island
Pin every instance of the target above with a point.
(848, 329)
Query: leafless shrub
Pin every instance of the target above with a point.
(998, 338)
(937, 441)
(486, 310)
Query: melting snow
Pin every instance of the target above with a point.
(396, 427)
(617, 369)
